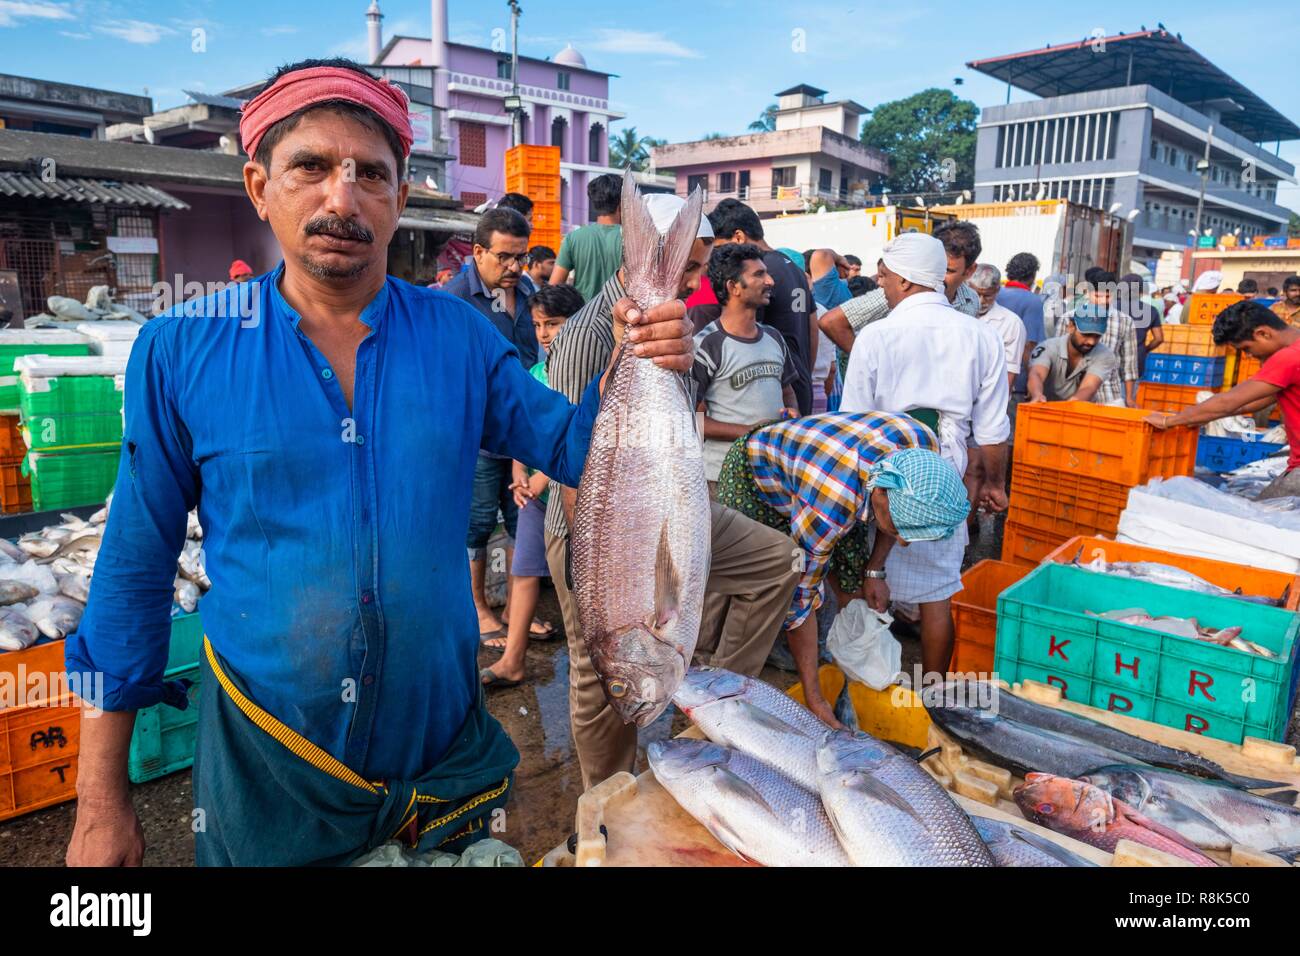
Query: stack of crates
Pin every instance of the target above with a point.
(72, 425)
(535, 172)
(1073, 466)
(1186, 363)
(1202, 308)
(15, 487)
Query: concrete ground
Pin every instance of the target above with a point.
(535, 714)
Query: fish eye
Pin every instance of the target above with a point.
(617, 688)
(1045, 808)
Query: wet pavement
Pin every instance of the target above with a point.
(536, 715)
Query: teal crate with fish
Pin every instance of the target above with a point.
(71, 479)
(60, 431)
(15, 343)
(71, 395)
(187, 640)
(164, 737)
(1047, 632)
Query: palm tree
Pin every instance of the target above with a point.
(766, 121)
(629, 149)
(711, 136)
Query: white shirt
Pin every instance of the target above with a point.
(1011, 330)
(825, 351)
(926, 354)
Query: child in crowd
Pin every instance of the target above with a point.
(551, 305)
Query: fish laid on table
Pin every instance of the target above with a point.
(640, 538)
(77, 544)
(755, 718)
(1168, 575)
(887, 811)
(187, 594)
(1015, 846)
(16, 592)
(57, 616)
(42, 544)
(12, 551)
(1209, 814)
(754, 811)
(1065, 743)
(75, 586)
(1187, 627)
(1090, 815)
(191, 564)
(17, 630)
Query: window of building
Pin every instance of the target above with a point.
(726, 182)
(558, 127)
(503, 69)
(782, 175)
(823, 180)
(700, 181)
(594, 144)
(562, 81)
(472, 200)
(1155, 150)
(473, 144)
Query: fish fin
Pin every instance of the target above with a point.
(770, 721)
(740, 788)
(1208, 768)
(1125, 812)
(1289, 853)
(725, 835)
(668, 582)
(1044, 845)
(1285, 797)
(655, 262)
(873, 786)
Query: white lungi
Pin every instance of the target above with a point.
(926, 571)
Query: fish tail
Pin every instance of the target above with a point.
(655, 262)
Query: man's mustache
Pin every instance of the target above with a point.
(339, 228)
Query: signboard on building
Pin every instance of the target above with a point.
(422, 127)
(1205, 242)
(133, 245)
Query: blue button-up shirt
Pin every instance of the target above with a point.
(517, 327)
(334, 537)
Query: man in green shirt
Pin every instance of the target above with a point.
(594, 252)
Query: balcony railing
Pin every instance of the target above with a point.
(792, 195)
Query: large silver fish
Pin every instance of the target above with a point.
(1169, 576)
(1210, 814)
(887, 811)
(755, 718)
(1015, 846)
(640, 537)
(756, 812)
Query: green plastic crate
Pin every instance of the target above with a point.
(71, 479)
(164, 737)
(61, 431)
(72, 395)
(1045, 635)
(10, 350)
(187, 641)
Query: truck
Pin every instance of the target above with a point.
(859, 232)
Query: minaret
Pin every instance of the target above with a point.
(438, 53)
(374, 31)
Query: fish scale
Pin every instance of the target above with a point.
(640, 537)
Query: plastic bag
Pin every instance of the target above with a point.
(484, 853)
(862, 646)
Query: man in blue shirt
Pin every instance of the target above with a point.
(1019, 296)
(303, 414)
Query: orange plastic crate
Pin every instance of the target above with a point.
(1202, 308)
(11, 438)
(38, 755)
(546, 218)
(536, 187)
(1063, 505)
(1101, 441)
(17, 669)
(1027, 546)
(15, 487)
(1155, 397)
(1240, 367)
(974, 613)
(1190, 340)
(532, 161)
(1274, 584)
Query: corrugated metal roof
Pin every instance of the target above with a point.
(211, 99)
(438, 220)
(79, 189)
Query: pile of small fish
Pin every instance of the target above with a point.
(45, 577)
(1166, 574)
(1098, 784)
(1186, 627)
(776, 786)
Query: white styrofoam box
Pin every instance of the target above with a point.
(40, 337)
(37, 370)
(1256, 534)
(1154, 532)
(110, 336)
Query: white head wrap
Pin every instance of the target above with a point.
(663, 209)
(1208, 281)
(918, 258)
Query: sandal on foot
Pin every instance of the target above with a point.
(491, 680)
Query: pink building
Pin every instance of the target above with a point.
(565, 104)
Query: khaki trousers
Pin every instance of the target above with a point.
(752, 565)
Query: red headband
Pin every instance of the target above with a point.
(302, 88)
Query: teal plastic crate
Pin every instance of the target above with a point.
(1045, 635)
(72, 395)
(71, 479)
(50, 432)
(15, 343)
(164, 737)
(187, 640)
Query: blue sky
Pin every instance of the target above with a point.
(685, 68)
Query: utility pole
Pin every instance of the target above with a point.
(514, 104)
(1204, 167)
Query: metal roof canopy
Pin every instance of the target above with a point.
(79, 189)
(1156, 58)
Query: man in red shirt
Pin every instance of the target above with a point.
(1254, 330)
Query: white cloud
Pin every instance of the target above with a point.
(641, 41)
(278, 31)
(135, 31)
(11, 11)
(74, 36)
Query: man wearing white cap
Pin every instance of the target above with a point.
(942, 366)
(751, 563)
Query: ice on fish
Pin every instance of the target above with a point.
(17, 630)
(1169, 576)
